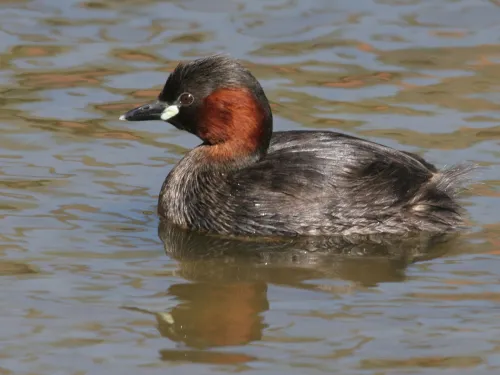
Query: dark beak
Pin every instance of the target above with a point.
(146, 112)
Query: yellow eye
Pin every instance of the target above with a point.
(186, 99)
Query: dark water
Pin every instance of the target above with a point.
(85, 283)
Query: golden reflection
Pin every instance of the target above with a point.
(200, 356)
(10, 268)
(451, 362)
(53, 79)
(132, 55)
(37, 51)
(93, 5)
(194, 37)
(30, 51)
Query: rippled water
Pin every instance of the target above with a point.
(90, 284)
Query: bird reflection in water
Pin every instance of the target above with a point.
(223, 301)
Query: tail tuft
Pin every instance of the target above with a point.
(435, 203)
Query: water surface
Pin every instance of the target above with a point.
(91, 284)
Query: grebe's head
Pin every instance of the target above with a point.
(216, 99)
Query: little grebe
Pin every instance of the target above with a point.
(246, 180)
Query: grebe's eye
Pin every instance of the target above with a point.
(186, 99)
